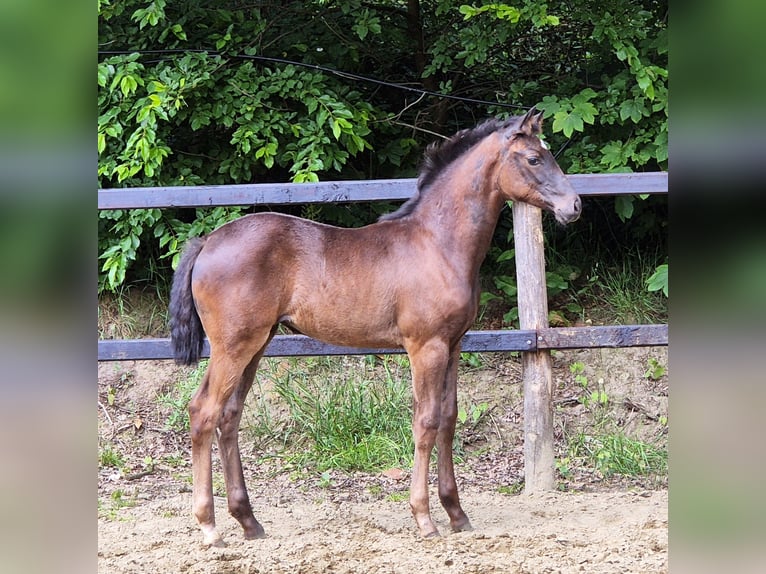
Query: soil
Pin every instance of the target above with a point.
(360, 522)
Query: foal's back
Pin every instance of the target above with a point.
(345, 286)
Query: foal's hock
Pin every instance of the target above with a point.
(408, 281)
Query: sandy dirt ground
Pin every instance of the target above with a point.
(359, 523)
(596, 532)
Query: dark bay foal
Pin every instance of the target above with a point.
(408, 281)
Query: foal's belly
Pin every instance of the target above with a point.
(347, 327)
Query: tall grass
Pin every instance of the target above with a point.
(623, 288)
(177, 398)
(349, 413)
(615, 453)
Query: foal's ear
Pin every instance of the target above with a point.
(531, 124)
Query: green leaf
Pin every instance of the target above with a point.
(612, 154)
(103, 74)
(469, 12)
(127, 85)
(623, 205)
(645, 83)
(506, 255)
(567, 122)
(659, 280)
(505, 12)
(178, 31)
(586, 111)
(633, 109)
(661, 146)
(335, 128)
(549, 105)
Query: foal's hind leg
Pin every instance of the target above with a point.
(228, 445)
(222, 379)
(448, 494)
(203, 419)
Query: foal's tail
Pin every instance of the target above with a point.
(186, 332)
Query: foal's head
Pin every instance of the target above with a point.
(528, 172)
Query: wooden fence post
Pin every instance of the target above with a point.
(536, 365)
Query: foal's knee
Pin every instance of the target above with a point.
(426, 424)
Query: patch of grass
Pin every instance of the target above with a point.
(259, 421)
(108, 457)
(513, 489)
(375, 490)
(347, 417)
(117, 500)
(614, 453)
(132, 313)
(177, 399)
(175, 460)
(601, 443)
(622, 288)
(398, 496)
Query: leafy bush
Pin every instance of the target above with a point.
(223, 93)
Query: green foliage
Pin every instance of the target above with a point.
(205, 110)
(473, 415)
(614, 453)
(108, 457)
(176, 400)
(655, 370)
(590, 397)
(359, 421)
(601, 443)
(658, 281)
(511, 490)
(578, 370)
(624, 289)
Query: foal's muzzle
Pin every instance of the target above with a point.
(568, 211)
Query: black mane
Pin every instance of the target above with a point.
(439, 155)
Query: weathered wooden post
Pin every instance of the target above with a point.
(536, 365)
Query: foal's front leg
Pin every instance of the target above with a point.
(448, 494)
(429, 366)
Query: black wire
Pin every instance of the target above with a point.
(339, 73)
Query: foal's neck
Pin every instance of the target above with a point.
(463, 207)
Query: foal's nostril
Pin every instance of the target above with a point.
(577, 204)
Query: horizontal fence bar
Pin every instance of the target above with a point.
(302, 346)
(342, 191)
(473, 342)
(599, 337)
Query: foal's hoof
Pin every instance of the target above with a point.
(431, 534)
(255, 533)
(216, 542)
(462, 526)
(210, 537)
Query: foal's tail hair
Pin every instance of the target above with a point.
(186, 332)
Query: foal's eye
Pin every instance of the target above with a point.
(534, 160)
